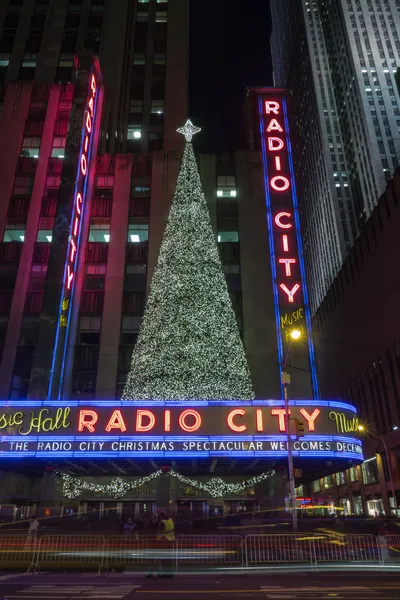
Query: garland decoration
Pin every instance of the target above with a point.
(72, 487)
(218, 488)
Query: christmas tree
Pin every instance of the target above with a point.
(189, 346)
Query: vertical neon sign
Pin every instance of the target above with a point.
(287, 264)
(78, 212)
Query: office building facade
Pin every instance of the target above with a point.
(339, 58)
(357, 344)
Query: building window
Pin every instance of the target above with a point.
(136, 106)
(353, 473)
(161, 16)
(133, 133)
(44, 235)
(228, 236)
(14, 235)
(138, 232)
(58, 153)
(316, 485)
(30, 147)
(340, 478)
(157, 107)
(160, 59)
(370, 470)
(139, 59)
(99, 231)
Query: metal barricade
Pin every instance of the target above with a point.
(345, 548)
(285, 548)
(390, 548)
(18, 551)
(127, 551)
(71, 551)
(209, 549)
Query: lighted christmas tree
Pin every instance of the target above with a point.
(189, 346)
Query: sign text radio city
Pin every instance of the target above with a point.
(79, 199)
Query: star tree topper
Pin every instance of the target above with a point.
(189, 130)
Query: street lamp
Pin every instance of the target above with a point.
(295, 335)
(375, 433)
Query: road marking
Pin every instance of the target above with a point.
(3, 577)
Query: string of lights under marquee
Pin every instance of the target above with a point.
(73, 487)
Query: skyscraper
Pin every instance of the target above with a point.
(339, 58)
(143, 55)
(142, 47)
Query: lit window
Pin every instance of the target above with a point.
(29, 63)
(138, 59)
(30, 147)
(4, 63)
(219, 193)
(44, 235)
(57, 153)
(161, 17)
(228, 236)
(233, 193)
(138, 232)
(14, 235)
(157, 107)
(99, 231)
(134, 133)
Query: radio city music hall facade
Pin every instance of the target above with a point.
(76, 302)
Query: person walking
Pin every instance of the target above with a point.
(129, 527)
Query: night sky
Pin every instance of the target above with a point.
(229, 51)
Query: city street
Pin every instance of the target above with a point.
(128, 587)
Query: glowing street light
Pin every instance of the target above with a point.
(295, 335)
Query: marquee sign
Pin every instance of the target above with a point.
(175, 429)
(288, 274)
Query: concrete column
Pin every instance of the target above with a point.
(383, 485)
(110, 326)
(24, 269)
(18, 51)
(176, 80)
(258, 303)
(12, 125)
(50, 497)
(163, 182)
(148, 77)
(48, 57)
(163, 492)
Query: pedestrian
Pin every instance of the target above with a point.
(33, 527)
(129, 527)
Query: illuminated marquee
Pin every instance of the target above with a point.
(289, 286)
(173, 429)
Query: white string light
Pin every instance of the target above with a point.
(72, 487)
(189, 346)
(218, 488)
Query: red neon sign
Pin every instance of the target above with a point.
(188, 420)
(279, 183)
(73, 243)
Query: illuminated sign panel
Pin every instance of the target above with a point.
(78, 212)
(172, 429)
(288, 276)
